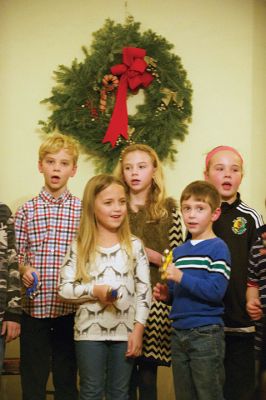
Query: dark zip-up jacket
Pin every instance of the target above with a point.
(237, 226)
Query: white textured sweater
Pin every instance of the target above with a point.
(97, 321)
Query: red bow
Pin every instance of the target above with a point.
(133, 74)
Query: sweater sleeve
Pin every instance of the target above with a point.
(213, 286)
(21, 234)
(70, 289)
(142, 284)
(211, 289)
(9, 274)
(253, 277)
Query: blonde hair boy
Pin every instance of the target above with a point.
(45, 226)
(55, 142)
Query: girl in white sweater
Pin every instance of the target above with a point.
(106, 272)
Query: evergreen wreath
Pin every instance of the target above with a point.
(86, 95)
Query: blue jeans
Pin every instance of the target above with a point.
(197, 358)
(104, 370)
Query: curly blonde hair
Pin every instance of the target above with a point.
(155, 202)
(55, 142)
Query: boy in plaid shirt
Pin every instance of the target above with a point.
(45, 226)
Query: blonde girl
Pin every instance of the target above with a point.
(106, 272)
(155, 220)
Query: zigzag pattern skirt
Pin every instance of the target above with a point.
(157, 335)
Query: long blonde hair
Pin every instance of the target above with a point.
(88, 232)
(155, 202)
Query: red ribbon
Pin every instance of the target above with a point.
(132, 74)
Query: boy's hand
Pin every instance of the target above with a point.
(254, 309)
(102, 292)
(173, 273)
(27, 277)
(160, 292)
(134, 345)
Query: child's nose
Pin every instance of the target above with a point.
(227, 172)
(192, 213)
(56, 167)
(117, 206)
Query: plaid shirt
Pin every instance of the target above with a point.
(45, 227)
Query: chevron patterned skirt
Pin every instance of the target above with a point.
(157, 335)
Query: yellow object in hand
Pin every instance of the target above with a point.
(168, 258)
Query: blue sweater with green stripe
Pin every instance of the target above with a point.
(198, 299)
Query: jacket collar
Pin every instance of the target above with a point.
(226, 206)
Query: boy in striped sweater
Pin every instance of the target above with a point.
(198, 279)
(237, 226)
(256, 302)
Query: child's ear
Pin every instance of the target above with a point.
(74, 170)
(216, 214)
(206, 175)
(40, 166)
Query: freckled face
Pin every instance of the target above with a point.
(57, 168)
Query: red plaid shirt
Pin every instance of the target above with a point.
(45, 227)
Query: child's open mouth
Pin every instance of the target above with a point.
(227, 185)
(55, 179)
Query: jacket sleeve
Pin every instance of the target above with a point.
(10, 288)
(142, 284)
(70, 289)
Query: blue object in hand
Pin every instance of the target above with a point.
(113, 294)
(33, 291)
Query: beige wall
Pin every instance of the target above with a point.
(222, 44)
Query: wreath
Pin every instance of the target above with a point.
(89, 99)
